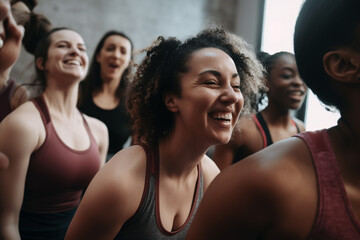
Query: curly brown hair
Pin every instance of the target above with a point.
(159, 74)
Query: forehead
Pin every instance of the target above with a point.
(211, 58)
(117, 39)
(285, 60)
(66, 35)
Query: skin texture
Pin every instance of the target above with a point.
(210, 87)
(114, 58)
(10, 37)
(286, 92)
(272, 194)
(23, 132)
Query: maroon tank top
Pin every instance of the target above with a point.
(5, 97)
(57, 174)
(335, 218)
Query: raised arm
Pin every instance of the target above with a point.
(19, 137)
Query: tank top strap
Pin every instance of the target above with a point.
(40, 104)
(264, 131)
(150, 158)
(87, 127)
(295, 125)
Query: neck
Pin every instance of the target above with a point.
(276, 116)
(109, 86)
(178, 158)
(62, 101)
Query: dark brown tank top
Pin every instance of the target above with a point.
(146, 222)
(334, 218)
(57, 174)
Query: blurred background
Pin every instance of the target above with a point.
(268, 25)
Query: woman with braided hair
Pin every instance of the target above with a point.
(184, 98)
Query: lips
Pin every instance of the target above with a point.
(114, 65)
(224, 117)
(73, 62)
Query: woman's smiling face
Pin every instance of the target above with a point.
(66, 55)
(210, 100)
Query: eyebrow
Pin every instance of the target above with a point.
(288, 68)
(67, 42)
(216, 73)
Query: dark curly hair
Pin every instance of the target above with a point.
(159, 73)
(93, 81)
(322, 26)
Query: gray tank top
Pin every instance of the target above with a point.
(146, 223)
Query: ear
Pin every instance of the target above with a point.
(170, 102)
(342, 65)
(40, 64)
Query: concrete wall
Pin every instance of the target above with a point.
(143, 21)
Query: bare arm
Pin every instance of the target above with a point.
(112, 197)
(18, 139)
(100, 133)
(269, 195)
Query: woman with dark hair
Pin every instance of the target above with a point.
(185, 97)
(102, 93)
(307, 186)
(54, 151)
(286, 92)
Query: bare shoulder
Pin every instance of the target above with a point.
(210, 170)
(96, 125)
(300, 124)
(26, 118)
(112, 197)
(260, 195)
(126, 169)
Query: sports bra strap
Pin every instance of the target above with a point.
(40, 104)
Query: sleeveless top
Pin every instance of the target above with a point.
(57, 174)
(116, 120)
(5, 98)
(334, 218)
(146, 223)
(264, 130)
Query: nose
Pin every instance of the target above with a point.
(75, 51)
(230, 95)
(117, 53)
(297, 81)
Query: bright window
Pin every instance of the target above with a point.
(278, 30)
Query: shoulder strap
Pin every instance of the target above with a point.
(40, 104)
(262, 126)
(296, 125)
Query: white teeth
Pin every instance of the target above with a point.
(73, 62)
(1, 42)
(222, 116)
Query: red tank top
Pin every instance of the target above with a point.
(335, 218)
(57, 174)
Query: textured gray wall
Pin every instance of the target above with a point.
(142, 20)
